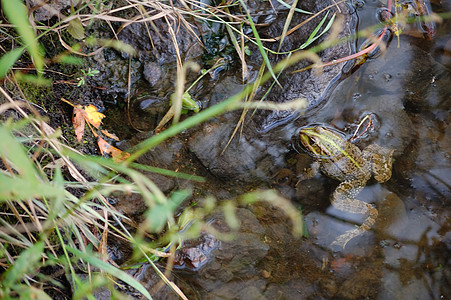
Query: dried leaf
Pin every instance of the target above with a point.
(110, 135)
(116, 154)
(93, 116)
(78, 121)
(104, 147)
(88, 113)
(120, 156)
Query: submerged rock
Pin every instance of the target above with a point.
(237, 162)
(229, 260)
(314, 85)
(151, 281)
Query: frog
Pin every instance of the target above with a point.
(344, 161)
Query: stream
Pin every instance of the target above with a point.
(406, 255)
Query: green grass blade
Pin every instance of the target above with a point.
(287, 23)
(296, 9)
(26, 262)
(167, 172)
(90, 258)
(17, 14)
(30, 292)
(22, 188)
(28, 78)
(260, 45)
(315, 31)
(12, 150)
(159, 214)
(26, 184)
(8, 60)
(313, 36)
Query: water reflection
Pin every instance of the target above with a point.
(409, 92)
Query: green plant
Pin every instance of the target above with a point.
(17, 14)
(52, 216)
(85, 74)
(43, 206)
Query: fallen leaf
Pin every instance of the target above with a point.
(341, 262)
(93, 116)
(76, 29)
(78, 121)
(110, 135)
(120, 156)
(104, 147)
(116, 154)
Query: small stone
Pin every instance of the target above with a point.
(266, 274)
(387, 77)
(356, 96)
(152, 73)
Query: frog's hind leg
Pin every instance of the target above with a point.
(344, 200)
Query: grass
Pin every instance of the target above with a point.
(43, 223)
(54, 208)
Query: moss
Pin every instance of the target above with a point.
(36, 94)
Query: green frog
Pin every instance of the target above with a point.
(338, 158)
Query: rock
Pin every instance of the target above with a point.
(193, 254)
(51, 8)
(152, 72)
(162, 155)
(293, 289)
(228, 260)
(151, 281)
(130, 204)
(147, 110)
(161, 42)
(364, 283)
(119, 250)
(238, 162)
(312, 85)
(102, 293)
(251, 289)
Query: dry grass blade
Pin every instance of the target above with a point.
(304, 22)
(240, 122)
(239, 49)
(219, 12)
(287, 23)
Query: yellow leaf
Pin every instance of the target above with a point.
(116, 154)
(93, 116)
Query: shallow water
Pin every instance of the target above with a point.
(407, 253)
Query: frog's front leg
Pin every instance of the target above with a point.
(344, 200)
(310, 172)
(381, 161)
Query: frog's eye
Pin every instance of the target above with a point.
(313, 143)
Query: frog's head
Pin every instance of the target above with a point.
(321, 141)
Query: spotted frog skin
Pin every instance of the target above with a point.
(337, 158)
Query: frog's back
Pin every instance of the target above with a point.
(348, 166)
